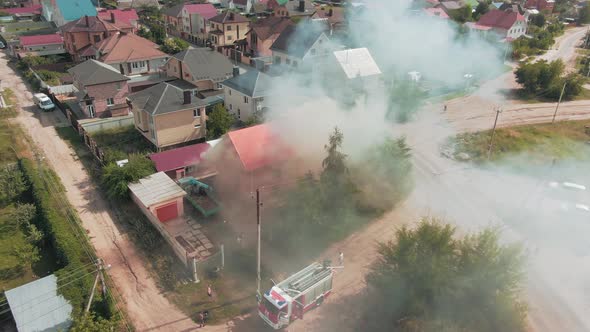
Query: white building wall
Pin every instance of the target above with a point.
(234, 102)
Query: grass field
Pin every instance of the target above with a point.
(540, 144)
(118, 143)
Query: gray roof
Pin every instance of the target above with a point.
(253, 84)
(206, 64)
(174, 11)
(155, 189)
(92, 72)
(297, 40)
(165, 97)
(37, 306)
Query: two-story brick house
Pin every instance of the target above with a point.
(102, 90)
(228, 28)
(169, 113)
(202, 67)
(291, 8)
(195, 21)
(131, 54)
(263, 34)
(173, 19)
(81, 36)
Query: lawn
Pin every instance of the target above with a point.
(118, 143)
(540, 144)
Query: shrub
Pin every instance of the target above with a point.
(115, 178)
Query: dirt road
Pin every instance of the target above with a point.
(565, 47)
(146, 306)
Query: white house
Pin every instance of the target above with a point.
(245, 94)
(296, 47)
(508, 25)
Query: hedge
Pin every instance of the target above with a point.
(53, 221)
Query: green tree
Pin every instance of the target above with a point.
(428, 280)
(88, 322)
(174, 45)
(584, 15)
(219, 121)
(462, 14)
(26, 253)
(405, 99)
(31, 61)
(384, 174)
(115, 178)
(538, 77)
(482, 8)
(334, 165)
(12, 185)
(23, 214)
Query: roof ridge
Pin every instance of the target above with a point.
(161, 97)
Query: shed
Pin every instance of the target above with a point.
(160, 195)
(37, 306)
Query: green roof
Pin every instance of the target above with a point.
(282, 2)
(75, 9)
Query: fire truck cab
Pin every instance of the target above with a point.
(292, 297)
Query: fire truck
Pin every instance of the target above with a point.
(292, 297)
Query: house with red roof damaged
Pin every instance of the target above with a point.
(39, 45)
(252, 157)
(509, 25)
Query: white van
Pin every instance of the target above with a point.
(44, 103)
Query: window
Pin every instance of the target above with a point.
(239, 114)
(230, 92)
(137, 65)
(229, 28)
(312, 51)
(197, 126)
(110, 102)
(96, 38)
(219, 86)
(245, 99)
(229, 37)
(119, 86)
(320, 41)
(196, 113)
(231, 108)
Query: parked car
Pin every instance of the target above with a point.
(44, 103)
(2, 45)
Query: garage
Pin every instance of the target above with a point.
(159, 196)
(167, 212)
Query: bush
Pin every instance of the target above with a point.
(115, 178)
(219, 121)
(12, 185)
(545, 79)
(174, 45)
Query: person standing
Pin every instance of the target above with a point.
(341, 258)
(201, 319)
(209, 291)
(445, 108)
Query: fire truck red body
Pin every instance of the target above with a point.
(292, 297)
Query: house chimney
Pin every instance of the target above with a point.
(87, 20)
(113, 17)
(330, 12)
(302, 6)
(231, 16)
(236, 71)
(187, 97)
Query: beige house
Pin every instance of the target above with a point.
(296, 49)
(227, 28)
(170, 113)
(245, 94)
(202, 67)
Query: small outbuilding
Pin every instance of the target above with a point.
(160, 195)
(37, 306)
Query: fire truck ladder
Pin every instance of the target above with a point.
(309, 280)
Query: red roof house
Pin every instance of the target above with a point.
(39, 45)
(122, 18)
(205, 10)
(252, 157)
(507, 24)
(41, 40)
(180, 162)
(32, 10)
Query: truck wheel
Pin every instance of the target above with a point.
(319, 301)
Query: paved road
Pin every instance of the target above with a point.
(145, 304)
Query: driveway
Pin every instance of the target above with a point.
(143, 301)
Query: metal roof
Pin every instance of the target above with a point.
(253, 83)
(156, 188)
(37, 306)
(92, 72)
(357, 62)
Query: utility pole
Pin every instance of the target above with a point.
(559, 102)
(98, 276)
(258, 205)
(498, 111)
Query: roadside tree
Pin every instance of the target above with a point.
(427, 279)
(219, 121)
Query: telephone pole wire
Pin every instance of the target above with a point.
(559, 102)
